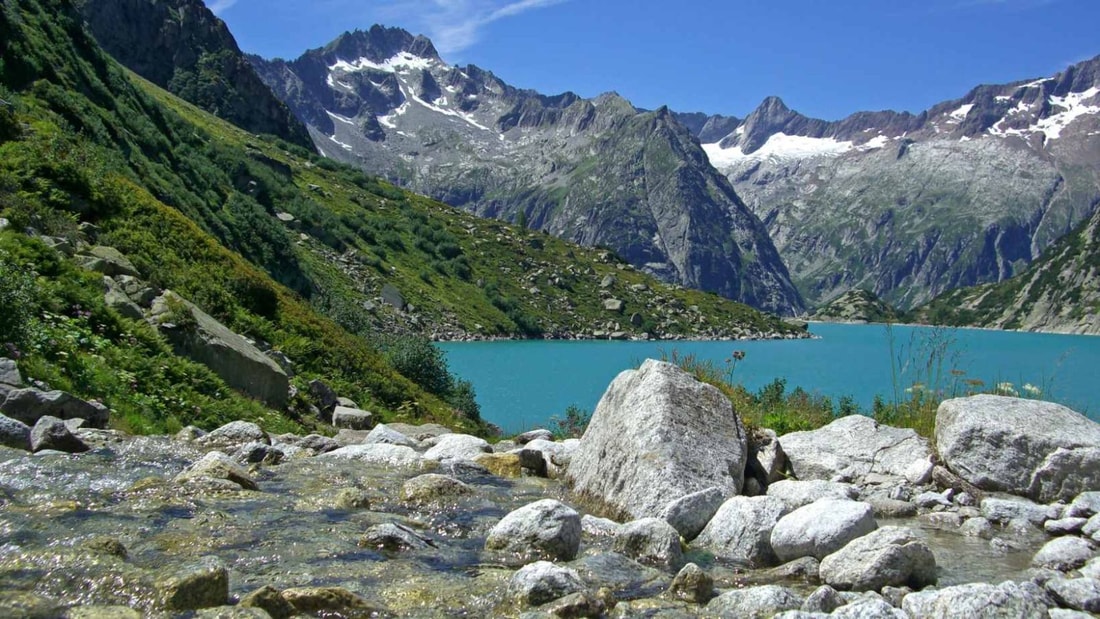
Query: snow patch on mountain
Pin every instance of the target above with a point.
(1072, 106)
(783, 147)
(400, 63)
(960, 114)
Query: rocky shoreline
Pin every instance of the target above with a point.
(667, 507)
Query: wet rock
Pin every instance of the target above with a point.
(318, 444)
(258, 453)
(948, 521)
(755, 602)
(576, 605)
(824, 599)
(385, 435)
(599, 527)
(331, 602)
(268, 599)
(352, 418)
(928, 500)
(891, 508)
(14, 433)
(501, 464)
(543, 529)
(394, 537)
(108, 546)
(433, 487)
(393, 456)
(1076, 593)
(198, 336)
(692, 584)
(1004, 510)
(235, 434)
(51, 433)
(821, 528)
(976, 527)
(352, 498)
(531, 435)
(890, 556)
(101, 612)
(803, 568)
(541, 582)
(868, 608)
(994, 443)
(621, 574)
(189, 434)
(650, 541)
(657, 435)
(229, 612)
(1063, 554)
(1008, 599)
(854, 447)
(202, 585)
(216, 465)
(29, 405)
(458, 447)
(690, 514)
(742, 530)
(796, 493)
(1064, 526)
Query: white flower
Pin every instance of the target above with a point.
(1032, 390)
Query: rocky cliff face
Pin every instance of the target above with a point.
(182, 47)
(1059, 292)
(596, 171)
(909, 206)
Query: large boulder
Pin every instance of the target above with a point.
(29, 405)
(545, 529)
(1007, 599)
(690, 513)
(14, 433)
(542, 582)
(796, 493)
(890, 556)
(755, 602)
(657, 434)
(651, 541)
(196, 335)
(458, 447)
(1063, 554)
(821, 528)
(742, 530)
(999, 443)
(855, 447)
(52, 433)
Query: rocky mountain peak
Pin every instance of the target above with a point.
(770, 117)
(379, 44)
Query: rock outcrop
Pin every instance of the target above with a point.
(657, 435)
(855, 447)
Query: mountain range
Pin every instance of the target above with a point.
(905, 205)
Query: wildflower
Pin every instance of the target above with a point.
(1032, 390)
(1006, 388)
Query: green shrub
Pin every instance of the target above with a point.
(18, 302)
(572, 424)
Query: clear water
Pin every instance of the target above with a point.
(521, 385)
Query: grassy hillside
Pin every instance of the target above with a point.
(281, 245)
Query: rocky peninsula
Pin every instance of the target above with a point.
(667, 507)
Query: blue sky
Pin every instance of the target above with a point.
(825, 58)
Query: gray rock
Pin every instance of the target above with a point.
(1076, 593)
(796, 493)
(543, 529)
(259, 453)
(352, 418)
(599, 527)
(1008, 600)
(1063, 554)
(891, 508)
(742, 530)
(1066, 613)
(216, 465)
(394, 538)
(976, 527)
(202, 585)
(9, 374)
(650, 541)
(29, 405)
(323, 396)
(994, 443)
(1004, 510)
(579, 604)
(1084, 505)
(108, 261)
(1091, 569)
(929, 500)
(949, 521)
(657, 435)
(383, 434)
(766, 459)
(531, 435)
(821, 528)
(613, 305)
(690, 513)
(1064, 526)
(432, 488)
(824, 599)
(196, 335)
(854, 447)
(458, 447)
(890, 556)
(755, 602)
(391, 456)
(318, 444)
(52, 433)
(235, 434)
(14, 433)
(692, 584)
(541, 582)
(869, 608)
(267, 598)
(330, 602)
(117, 299)
(392, 296)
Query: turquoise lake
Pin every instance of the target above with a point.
(521, 385)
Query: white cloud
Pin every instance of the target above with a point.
(217, 6)
(454, 25)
